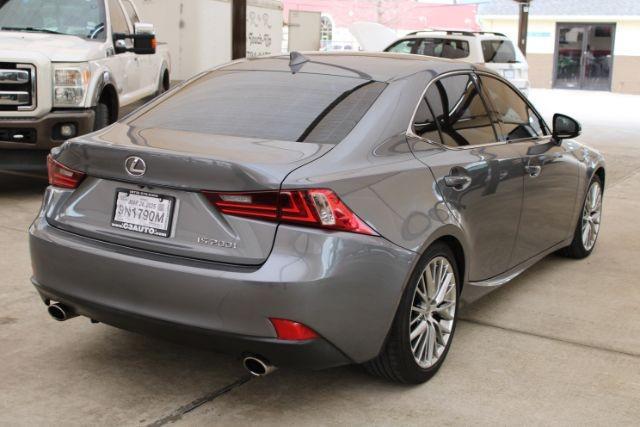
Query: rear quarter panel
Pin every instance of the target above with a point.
(376, 174)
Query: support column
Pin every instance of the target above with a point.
(238, 29)
(523, 25)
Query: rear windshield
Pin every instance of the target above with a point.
(267, 105)
(499, 51)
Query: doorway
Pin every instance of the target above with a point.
(584, 56)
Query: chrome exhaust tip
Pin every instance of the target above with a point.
(60, 312)
(257, 366)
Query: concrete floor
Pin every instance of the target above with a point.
(559, 345)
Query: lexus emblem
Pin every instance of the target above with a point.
(135, 166)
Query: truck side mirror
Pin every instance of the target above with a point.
(144, 40)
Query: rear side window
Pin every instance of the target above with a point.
(403, 46)
(443, 48)
(517, 119)
(460, 112)
(499, 51)
(290, 107)
(424, 124)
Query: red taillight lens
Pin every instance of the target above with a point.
(292, 331)
(62, 176)
(314, 207)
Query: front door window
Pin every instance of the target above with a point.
(584, 56)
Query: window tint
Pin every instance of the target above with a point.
(517, 119)
(292, 107)
(499, 51)
(424, 124)
(460, 112)
(118, 20)
(403, 46)
(131, 11)
(443, 48)
(78, 18)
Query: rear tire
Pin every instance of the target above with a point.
(587, 229)
(102, 119)
(415, 360)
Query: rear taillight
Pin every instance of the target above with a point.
(312, 207)
(62, 176)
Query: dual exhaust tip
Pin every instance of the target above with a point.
(255, 365)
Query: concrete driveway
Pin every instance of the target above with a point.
(559, 345)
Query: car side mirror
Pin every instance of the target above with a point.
(144, 40)
(564, 127)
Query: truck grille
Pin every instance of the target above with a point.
(17, 87)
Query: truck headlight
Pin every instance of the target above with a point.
(70, 84)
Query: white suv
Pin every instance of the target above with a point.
(494, 50)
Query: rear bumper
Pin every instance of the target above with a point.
(40, 133)
(313, 354)
(344, 286)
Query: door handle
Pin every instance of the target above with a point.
(533, 171)
(457, 182)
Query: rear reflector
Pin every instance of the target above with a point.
(320, 208)
(293, 331)
(62, 176)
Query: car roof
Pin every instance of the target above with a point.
(457, 34)
(383, 66)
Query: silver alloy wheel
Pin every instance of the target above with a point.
(432, 312)
(591, 215)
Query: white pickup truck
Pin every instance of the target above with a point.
(69, 67)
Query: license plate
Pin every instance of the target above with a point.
(509, 74)
(143, 212)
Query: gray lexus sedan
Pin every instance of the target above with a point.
(314, 210)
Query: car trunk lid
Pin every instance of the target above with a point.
(179, 165)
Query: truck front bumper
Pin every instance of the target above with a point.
(43, 133)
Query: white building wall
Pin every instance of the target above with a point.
(542, 31)
(198, 32)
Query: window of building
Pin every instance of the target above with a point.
(326, 29)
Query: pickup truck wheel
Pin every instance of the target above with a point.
(102, 116)
(163, 84)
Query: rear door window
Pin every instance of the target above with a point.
(460, 111)
(267, 105)
(499, 51)
(424, 123)
(516, 117)
(443, 48)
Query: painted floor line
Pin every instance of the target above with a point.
(547, 337)
(181, 411)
